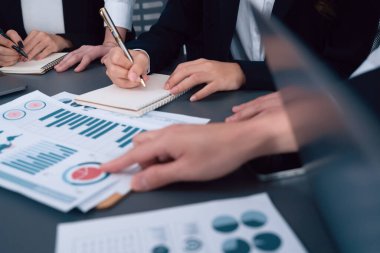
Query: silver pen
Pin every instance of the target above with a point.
(111, 26)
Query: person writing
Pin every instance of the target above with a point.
(121, 12)
(226, 53)
(42, 27)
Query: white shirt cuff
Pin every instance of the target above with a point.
(121, 12)
(145, 52)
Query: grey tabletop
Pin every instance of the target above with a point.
(29, 227)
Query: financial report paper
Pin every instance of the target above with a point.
(51, 151)
(243, 225)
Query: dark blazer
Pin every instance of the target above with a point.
(366, 87)
(83, 25)
(207, 28)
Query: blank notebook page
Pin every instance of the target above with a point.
(140, 99)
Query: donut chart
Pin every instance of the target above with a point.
(35, 105)
(14, 114)
(84, 174)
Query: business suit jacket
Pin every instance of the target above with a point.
(207, 28)
(366, 87)
(83, 25)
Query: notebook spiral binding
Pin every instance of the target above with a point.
(51, 65)
(161, 102)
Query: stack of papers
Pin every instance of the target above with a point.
(248, 224)
(51, 149)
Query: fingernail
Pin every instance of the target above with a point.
(20, 44)
(132, 76)
(139, 183)
(193, 98)
(166, 86)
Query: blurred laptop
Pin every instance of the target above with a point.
(10, 84)
(339, 139)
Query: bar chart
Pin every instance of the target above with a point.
(38, 157)
(127, 138)
(90, 127)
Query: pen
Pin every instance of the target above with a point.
(111, 26)
(15, 46)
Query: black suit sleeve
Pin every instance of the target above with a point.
(257, 76)
(351, 36)
(179, 23)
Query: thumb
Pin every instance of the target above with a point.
(155, 176)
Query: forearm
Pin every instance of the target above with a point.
(263, 135)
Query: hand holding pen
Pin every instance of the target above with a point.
(10, 52)
(111, 26)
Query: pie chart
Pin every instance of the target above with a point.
(253, 219)
(84, 174)
(160, 249)
(267, 241)
(225, 224)
(236, 246)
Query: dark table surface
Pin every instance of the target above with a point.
(29, 227)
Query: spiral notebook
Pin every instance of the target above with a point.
(135, 102)
(35, 66)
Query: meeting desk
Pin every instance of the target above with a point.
(27, 226)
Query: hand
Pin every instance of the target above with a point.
(218, 76)
(200, 153)
(84, 56)
(253, 108)
(39, 45)
(122, 72)
(182, 153)
(9, 56)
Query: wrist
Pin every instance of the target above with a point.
(250, 140)
(62, 42)
(110, 43)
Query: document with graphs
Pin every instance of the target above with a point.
(51, 151)
(239, 225)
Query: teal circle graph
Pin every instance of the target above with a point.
(160, 249)
(267, 241)
(236, 246)
(225, 224)
(254, 219)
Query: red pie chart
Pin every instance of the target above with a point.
(84, 174)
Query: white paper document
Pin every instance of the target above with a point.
(51, 151)
(153, 118)
(241, 225)
(371, 63)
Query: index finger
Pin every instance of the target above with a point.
(69, 60)
(140, 154)
(117, 57)
(14, 36)
(5, 42)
